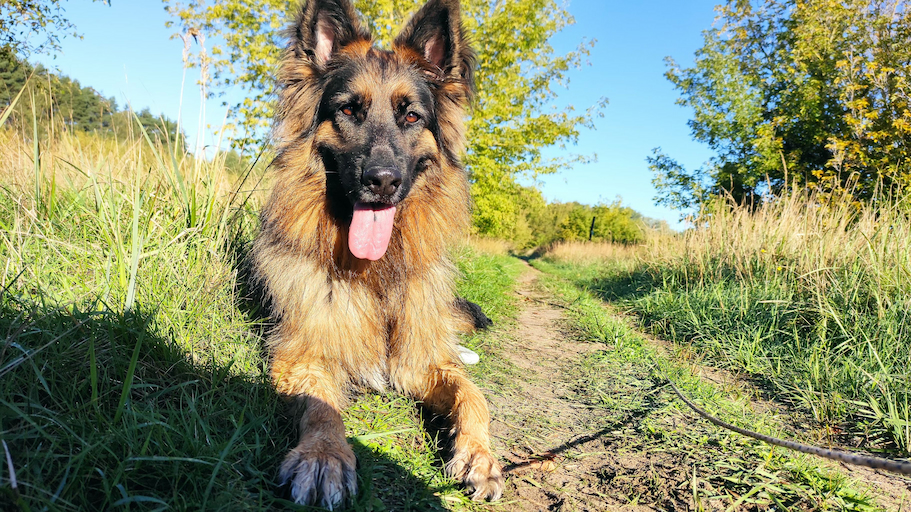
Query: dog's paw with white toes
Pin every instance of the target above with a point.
(325, 477)
(479, 472)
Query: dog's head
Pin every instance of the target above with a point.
(382, 118)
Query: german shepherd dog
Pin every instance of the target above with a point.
(352, 253)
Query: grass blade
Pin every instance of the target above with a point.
(131, 372)
(9, 108)
(135, 249)
(36, 152)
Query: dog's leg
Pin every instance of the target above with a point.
(448, 392)
(422, 363)
(321, 468)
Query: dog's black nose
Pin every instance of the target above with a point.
(382, 181)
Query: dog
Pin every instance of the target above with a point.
(369, 192)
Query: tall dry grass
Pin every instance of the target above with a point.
(73, 159)
(812, 240)
(96, 216)
(488, 245)
(591, 252)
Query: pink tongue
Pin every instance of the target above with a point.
(368, 236)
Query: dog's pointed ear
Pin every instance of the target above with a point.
(436, 33)
(324, 26)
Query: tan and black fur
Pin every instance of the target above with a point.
(349, 113)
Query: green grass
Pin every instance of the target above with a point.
(625, 385)
(132, 373)
(811, 301)
(487, 280)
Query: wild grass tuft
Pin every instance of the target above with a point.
(490, 245)
(128, 374)
(590, 252)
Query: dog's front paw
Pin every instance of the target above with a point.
(479, 471)
(320, 473)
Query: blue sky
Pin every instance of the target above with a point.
(127, 53)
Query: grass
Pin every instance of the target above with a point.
(491, 245)
(588, 253)
(810, 300)
(691, 464)
(132, 373)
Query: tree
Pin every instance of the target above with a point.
(790, 92)
(612, 223)
(13, 75)
(23, 20)
(518, 74)
(543, 223)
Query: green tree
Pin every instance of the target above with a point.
(51, 97)
(33, 26)
(518, 76)
(13, 75)
(612, 223)
(791, 92)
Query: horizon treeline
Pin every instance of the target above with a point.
(542, 223)
(55, 100)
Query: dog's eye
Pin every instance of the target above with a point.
(348, 110)
(412, 117)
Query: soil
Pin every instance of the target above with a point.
(539, 419)
(564, 455)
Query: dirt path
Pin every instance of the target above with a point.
(550, 439)
(567, 455)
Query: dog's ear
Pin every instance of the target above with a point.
(436, 33)
(324, 26)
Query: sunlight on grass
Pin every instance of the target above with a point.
(810, 297)
(127, 360)
(626, 377)
(133, 372)
(490, 245)
(590, 252)
(125, 221)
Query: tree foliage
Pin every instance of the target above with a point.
(793, 92)
(33, 26)
(518, 76)
(604, 223)
(541, 223)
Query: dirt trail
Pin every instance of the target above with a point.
(567, 456)
(538, 420)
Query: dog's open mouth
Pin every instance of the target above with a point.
(371, 228)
